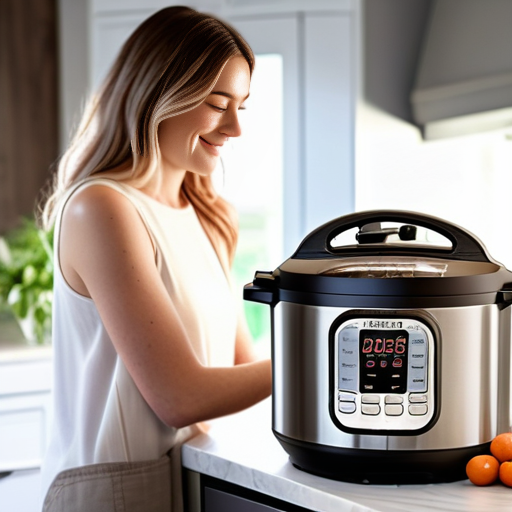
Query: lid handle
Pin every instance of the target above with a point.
(373, 233)
(465, 246)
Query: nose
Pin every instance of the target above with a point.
(231, 126)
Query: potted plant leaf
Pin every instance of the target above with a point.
(26, 279)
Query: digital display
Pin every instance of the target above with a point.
(383, 360)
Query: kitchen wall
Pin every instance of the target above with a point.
(74, 69)
(465, 179)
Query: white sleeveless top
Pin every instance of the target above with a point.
(99, 414)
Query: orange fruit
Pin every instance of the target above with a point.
(506, 473)
(501, 447)
(483, 469)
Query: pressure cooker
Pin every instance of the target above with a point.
(390, 351)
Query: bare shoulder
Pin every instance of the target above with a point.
(98, 224)
(94, 202)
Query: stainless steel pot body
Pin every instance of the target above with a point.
(391, 358)
(472, 380)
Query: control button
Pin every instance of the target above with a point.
(346, 397)
(369, 387)
(370, 399)
(348, 358)
(383, 363)
(347, 407)
(394, 409)
(418, 341)
(418, 410)
(417, 375)
(417, 399)
(417, 385)
(370, 363)
(349, 383)
(349, 334)
(397, 363)
(370, 409)
(393, 399)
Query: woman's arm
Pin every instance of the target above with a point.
(244, 351)
(106, 254)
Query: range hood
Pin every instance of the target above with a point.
(464, 78)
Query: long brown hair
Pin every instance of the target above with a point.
(168, 66)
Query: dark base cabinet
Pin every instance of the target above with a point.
(206, 494)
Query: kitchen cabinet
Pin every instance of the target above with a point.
(25, 403)
(214, 495)
(20, 491)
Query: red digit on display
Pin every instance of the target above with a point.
(390, 346)
(379, 346)
(400, 345)
(367, 346)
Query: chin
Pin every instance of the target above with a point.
(205, 170)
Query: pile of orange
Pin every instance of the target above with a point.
(486, 469)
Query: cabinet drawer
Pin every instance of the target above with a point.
(25, 376)
(23, 431)
(219, 501)
(204, 493)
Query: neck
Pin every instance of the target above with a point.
(165, 187)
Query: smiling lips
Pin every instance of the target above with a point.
(213, 148)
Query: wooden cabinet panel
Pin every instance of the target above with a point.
(28, 104)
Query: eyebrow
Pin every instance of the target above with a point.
(227, 95)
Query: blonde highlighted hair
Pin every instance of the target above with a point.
(168, 66)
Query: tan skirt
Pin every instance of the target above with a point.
(118, 487)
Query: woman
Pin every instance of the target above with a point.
(147, 339)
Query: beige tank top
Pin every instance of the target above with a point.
(99, 414)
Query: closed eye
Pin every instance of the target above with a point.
(218, 109)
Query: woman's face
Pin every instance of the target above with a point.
(192, 141)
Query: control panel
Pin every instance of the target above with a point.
(384, 373)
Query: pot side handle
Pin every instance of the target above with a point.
(504, 299)
(262, 289)
(465, 245)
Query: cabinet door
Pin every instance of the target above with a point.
(220, 501)
(204, 493)
(25, 409)
(328, 117)
(24, 423)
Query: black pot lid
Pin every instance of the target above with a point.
(394, 261)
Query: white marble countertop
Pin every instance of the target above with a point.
(242, 449)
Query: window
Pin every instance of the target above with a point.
(252, 181)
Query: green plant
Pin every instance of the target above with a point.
(26, 277)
